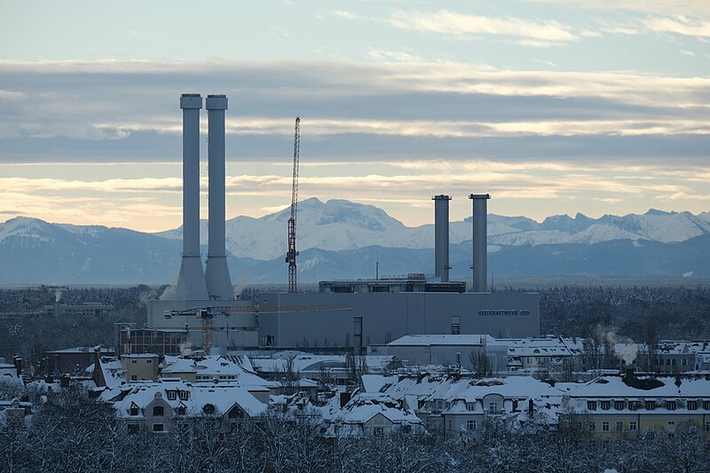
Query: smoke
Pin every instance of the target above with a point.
(186, 348)
(624, 347)
(170, 293)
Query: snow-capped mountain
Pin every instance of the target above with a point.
(341, 239)
(338, 225)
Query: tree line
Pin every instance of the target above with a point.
(71, 432)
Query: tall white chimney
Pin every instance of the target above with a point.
(219, 283)
(441, 236)
(191, 280)
(480, 242)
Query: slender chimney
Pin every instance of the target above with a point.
(191, 280)
(219, 283)
(480, 242)
(441, 236)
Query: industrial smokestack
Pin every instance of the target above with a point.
(219, 283)
(480, 242)
(191, 280)
(441, 236)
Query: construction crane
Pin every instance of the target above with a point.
(206, 315)
(292, 253)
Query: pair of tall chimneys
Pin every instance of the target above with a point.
(215, 282)
(480, 235)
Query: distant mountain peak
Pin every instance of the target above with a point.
(657, 212)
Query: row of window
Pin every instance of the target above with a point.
(649, 405)
(618, 426)
(174, 394)
(633, 425)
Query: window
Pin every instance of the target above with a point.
(158, 428)
(606, 405)
(133, 410)
(684, 362)
(455, 325)
(619, 426)
(134, 362)
(692, 405)
(378, 431)
(592, 426)
(650, 405)
(670, 405)
(591, 405)
(148, 362)
(172, 395)
(470, 425)
(706, 405)
(183, 395)
(493, 407)
(619, 405)
(671, 426)
(134, 377)
(470, 406)
(158, 411)
(633, 425)
(605, 426)
(633, 405)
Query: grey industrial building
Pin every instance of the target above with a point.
(343, 313)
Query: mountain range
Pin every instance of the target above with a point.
(340, 239)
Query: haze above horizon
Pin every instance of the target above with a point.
(552, 107)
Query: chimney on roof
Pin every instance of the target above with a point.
(191, 279)
(219, 282)
(480, 242)
(441, 236)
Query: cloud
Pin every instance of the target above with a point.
(694, 7)
(464, 26)
(678, 24)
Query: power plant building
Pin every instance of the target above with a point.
(343, 313)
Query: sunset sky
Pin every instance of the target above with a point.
(551, 106)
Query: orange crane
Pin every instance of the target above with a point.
(292, 253)
(206, 315)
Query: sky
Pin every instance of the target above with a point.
(551, 106)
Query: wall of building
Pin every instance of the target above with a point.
(290, 320)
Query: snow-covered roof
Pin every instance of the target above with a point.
(373, 383)
(540, 347)
(443, 339)
(237, 369)
(614, 386)
(223, 397)
(362, 407)
(452, 388)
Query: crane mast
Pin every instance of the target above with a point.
(292, 253)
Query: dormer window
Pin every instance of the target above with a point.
(172, 395)
(692, 405)
(606, 405)
(133, 410)
(670, 405)
(183, 395)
